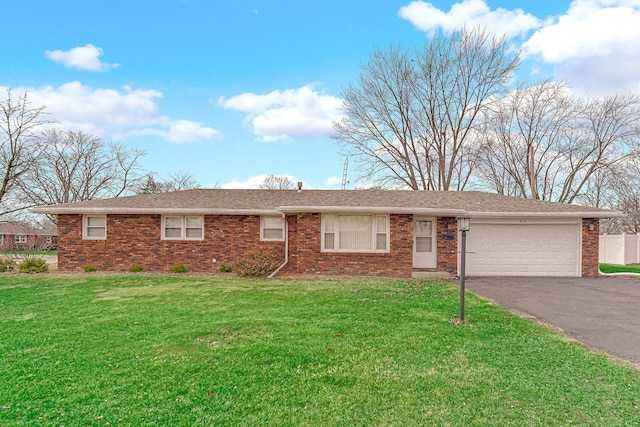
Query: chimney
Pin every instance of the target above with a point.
(299, 185)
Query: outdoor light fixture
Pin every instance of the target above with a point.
(463, 227)
(591, 226)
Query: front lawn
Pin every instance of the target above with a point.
(613, 268)
(154, 350)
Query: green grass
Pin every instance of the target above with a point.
(148, 350)
(613, 268)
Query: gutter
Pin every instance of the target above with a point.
(286, 248)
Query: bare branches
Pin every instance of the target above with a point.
(541, 142)
(410, 119)
(274, 182)
(19, 148)
(74, 166)
(177, 181)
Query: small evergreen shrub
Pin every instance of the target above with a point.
(136, 268)
(33, 265)
(225, 268)
(89, 268)
(6, 265)
(179, 268)
(256, 264)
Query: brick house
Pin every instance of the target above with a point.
(15, 236)
(331, 232)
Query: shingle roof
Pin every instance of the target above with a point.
(212, 201)
(9, 228)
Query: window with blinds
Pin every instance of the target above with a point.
(355, 233)
(178, 227)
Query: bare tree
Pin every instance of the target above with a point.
(411, 120)
(617, 187)
(541, 142)
(273, 182)
(74, 166)
(19, 148)
(181, 180)
(177, 181)
(524, 134)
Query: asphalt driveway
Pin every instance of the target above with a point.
(603, 313)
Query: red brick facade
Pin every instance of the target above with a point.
(590, 247)
(136, 239)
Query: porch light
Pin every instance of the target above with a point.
(463, 226)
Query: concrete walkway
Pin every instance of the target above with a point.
(603, 313)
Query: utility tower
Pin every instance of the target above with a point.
(344, 173)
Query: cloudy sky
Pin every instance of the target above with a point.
(232, 91)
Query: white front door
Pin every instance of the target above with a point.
(424, 243)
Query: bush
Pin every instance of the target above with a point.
(225, 268)
(33, 265)
(89, 268)
(256, 264)
(136, 268)
(7, 264)
(179, 268)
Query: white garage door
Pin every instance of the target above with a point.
(523, 249)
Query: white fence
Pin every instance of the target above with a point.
(620, 249)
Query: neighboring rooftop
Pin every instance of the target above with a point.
(13, 229)
(219, 201)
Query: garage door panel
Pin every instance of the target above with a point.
(523, 250)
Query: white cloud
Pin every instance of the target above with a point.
(254, 181)
(594, 45)
(85, 57)
(283, 114)
(333, 182)
(113, 113)
(470, 13)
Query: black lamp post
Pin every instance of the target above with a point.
(463, 226)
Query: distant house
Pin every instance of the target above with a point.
(331, 232)
(20, 237)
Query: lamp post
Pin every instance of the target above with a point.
(463, 226)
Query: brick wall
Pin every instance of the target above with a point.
(305, 256)
(590, 247)
(135, 239)
(447, 248)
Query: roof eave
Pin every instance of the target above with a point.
(584, 214)
(52, 210)
(372, 209)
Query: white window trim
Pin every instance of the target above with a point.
(85, 222)
(183, 227)
(263, 219)
(20, 238)
(374, 233)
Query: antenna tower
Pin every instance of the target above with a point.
(344, 173)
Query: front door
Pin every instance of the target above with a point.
(424, 243)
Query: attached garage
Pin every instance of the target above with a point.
(524, 247)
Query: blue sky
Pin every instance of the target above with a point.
(233, 91)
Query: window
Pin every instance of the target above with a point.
(95, 227)
(182, 227)
(272, 228)
(355, 233)
(20, 238)
(48, 239)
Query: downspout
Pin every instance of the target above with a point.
(286, 248)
